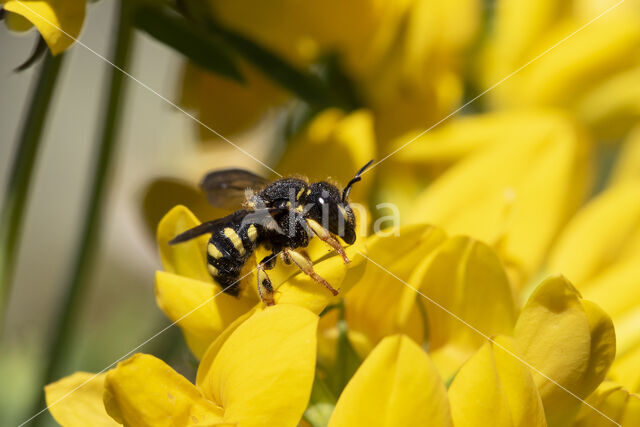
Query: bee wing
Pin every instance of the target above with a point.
(208, 227)
(226, 188)
(264, 217)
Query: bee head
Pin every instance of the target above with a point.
(332, 209)
(329, 210)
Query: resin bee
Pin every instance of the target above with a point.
(281, 216)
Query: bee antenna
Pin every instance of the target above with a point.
(347, 189)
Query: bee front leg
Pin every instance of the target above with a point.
(306, 266)
(326, 237)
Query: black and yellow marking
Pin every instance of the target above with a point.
(228, 251)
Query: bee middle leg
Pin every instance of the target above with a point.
(326, 237)
(265, 288)
(306, 266)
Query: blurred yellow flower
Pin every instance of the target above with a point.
(234, 385)
(523, 175)
(403, 57)
(58, 21)
(333, 146)
(582, 62)
(225, 105)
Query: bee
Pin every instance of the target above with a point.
(281, 216)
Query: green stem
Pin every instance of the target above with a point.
(78, 284)
(13, 213)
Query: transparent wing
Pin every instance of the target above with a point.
(226, 188)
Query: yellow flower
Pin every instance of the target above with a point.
(517, 187)
(463, 277)
(373, 306)
(614, 401)
(561, 345)
(459, 274)
(580, 61)
(58, 21)
(569, 342)
(598, 251)
(187, 294)
(495, 388)
(396, 385)
(235, 384)
(404, 57)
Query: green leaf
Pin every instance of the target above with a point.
(194, 42)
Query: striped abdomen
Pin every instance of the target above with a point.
(228, 250)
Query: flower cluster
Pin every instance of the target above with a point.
(440, 336)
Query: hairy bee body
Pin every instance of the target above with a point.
(229, 248)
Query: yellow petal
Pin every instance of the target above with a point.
(76, 400)
(559, 77)
(625, 369)
(462, 278)
(628, 164)
(144, 391)
(454, 140)
(300, 32)
(373, 308)
(569, 343)
(58, 21)
(302, 290)
(396, 385)
(608, 404)
(201, 310)
(599, 236)
(512, 196)
(612, 107)
(495, 388)
(188, 258)
(616, 291)
(263, 372)
(575, 49)
(348, 140)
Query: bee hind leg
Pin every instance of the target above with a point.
(265, 288)
(303, 262)
(326, 237)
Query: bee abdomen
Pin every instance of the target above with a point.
(228, 252)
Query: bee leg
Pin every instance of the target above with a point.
(326, 237)
(265, 288)
(306, 266)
